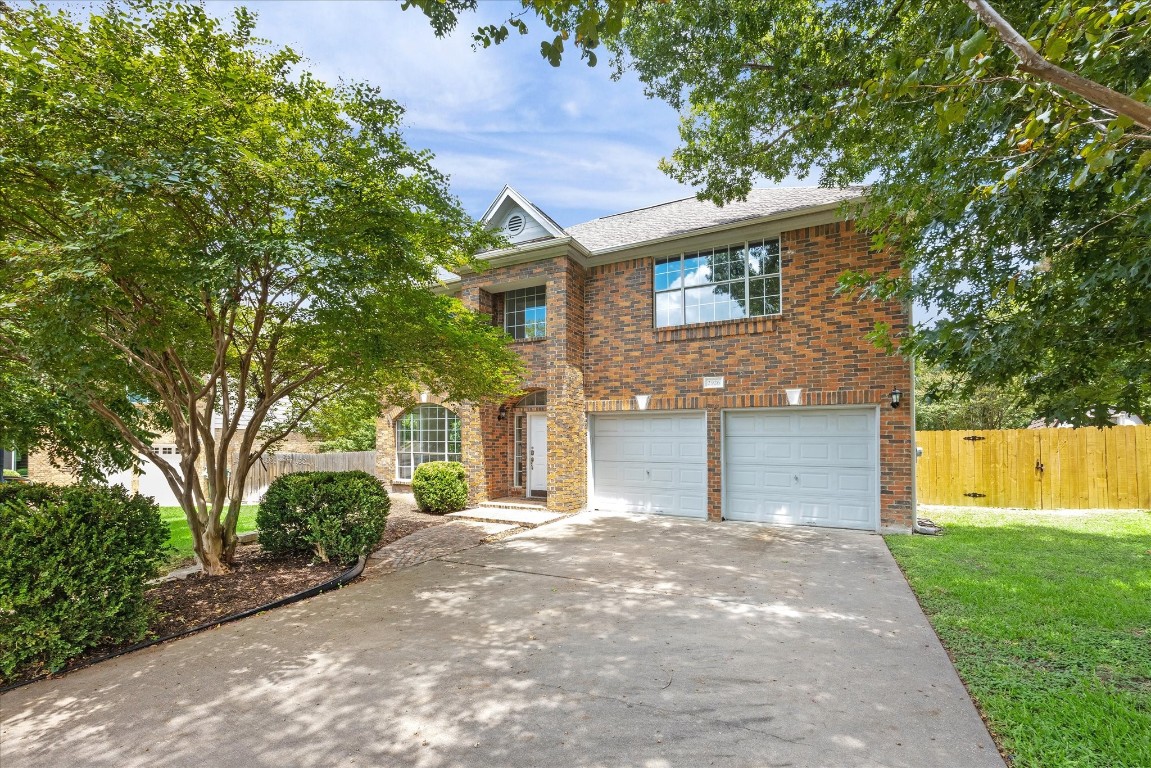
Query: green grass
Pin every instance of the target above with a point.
(180, 536)
(1048, 619)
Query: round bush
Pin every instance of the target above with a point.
(335, 516)
(440, 487)
(74, 564)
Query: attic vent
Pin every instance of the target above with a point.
(514, 224)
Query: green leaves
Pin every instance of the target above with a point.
(1023, 211)
(215, 235)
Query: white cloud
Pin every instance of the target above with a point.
(575, 142)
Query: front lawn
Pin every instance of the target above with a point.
(1048, 619)
(180, 535)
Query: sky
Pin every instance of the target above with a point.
(573, 141)
(570, 139)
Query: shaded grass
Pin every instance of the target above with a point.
(1048, 619)
(180, 535)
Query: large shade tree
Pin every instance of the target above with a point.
(1007, 146)
(197, 236)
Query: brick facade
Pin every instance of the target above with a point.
(602, 349)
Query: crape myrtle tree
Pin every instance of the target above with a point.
(200, 237)
(1007, 146)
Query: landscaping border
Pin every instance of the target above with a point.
(330, 584)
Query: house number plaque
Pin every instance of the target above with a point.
(713, 382)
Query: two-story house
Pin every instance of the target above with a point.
(684, 359)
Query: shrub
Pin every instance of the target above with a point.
(74, 564)
(440, 487)
(332, 515)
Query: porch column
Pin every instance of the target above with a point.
(472, 451)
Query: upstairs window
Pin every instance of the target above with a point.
(525, 313)
(727, 283)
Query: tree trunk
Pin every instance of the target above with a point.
(212, 551)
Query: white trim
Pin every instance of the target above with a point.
(529, 208)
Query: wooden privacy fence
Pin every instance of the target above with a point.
(1086, 468)
(271, 467)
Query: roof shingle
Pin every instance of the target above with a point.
(683, 216)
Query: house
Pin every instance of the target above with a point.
(684, 359)
(148, 479)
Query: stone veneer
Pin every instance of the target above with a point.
(602, 349)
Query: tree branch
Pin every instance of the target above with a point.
(1033, 63)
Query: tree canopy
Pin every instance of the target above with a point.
(1006, 151)
(199, 237)
(946, 400)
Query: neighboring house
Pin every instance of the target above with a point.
(660, 344)
(149, 479)
(1118, 418)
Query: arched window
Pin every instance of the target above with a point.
(426, 433)
(535, 399)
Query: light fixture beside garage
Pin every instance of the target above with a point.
(641, 401)
(896, 396)
(502, 413)
(794, 395)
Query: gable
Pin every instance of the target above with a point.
(519, 220)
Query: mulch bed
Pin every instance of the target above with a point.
(257, 579)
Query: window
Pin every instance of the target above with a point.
(519, 468)
(426, 433)
(727, 283)
(525, 313)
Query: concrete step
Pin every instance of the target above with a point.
(526, 517)
(540, 505)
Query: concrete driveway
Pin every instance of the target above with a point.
(602, 640)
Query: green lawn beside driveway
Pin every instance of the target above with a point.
(180, 535)
(1048, 619)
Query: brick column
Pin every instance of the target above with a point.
(472, 451)
(386, 446)
(714, 431)
(567, 441)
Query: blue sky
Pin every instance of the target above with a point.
(573, 141)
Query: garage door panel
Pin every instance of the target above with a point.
(650, 463)
(803, 466)
(814, 451)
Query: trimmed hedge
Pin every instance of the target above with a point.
(74, 564)
(332, 515)
(440, 487)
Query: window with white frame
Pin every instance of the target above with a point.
(519, 461)
(525, 313)
(727, 283)
(426, 433)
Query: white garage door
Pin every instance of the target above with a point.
(650, 463)
(804, 466)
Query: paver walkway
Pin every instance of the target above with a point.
(432, 542)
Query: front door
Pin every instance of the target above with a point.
(537, 454)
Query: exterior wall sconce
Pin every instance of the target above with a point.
(502, 413)
(896, 396)
(794, 395)
(641, 401)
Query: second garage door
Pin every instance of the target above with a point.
(804, 466)
(650, 463)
